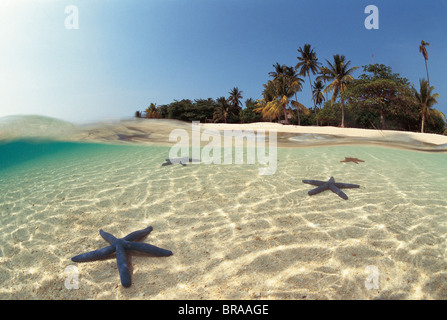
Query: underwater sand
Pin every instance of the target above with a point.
(235, 234)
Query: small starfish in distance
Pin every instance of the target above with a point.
(355, 160)
(183, 161)
(120, 246)
(330, 184)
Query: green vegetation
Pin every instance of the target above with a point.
(425, 100)
(379, 91)
(377, 99)
(340, 75)
(248, 114)
(278, 92)
(308, 64)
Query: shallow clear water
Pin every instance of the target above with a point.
(235, 234)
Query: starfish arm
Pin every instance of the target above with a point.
(176, 160)
(147, 248)
(138, 234)
(321, 188)
(338, 191)
(121, 261)
(346, 185)
(355, 160)
(314, 182)
(94, 255)
(107, 236)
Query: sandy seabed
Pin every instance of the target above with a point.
(235, 234)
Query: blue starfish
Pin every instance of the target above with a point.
(120, 246)
(330, 184)
(183, 161)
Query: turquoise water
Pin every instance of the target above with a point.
(14, 153)
(235, 234)
(17, 152)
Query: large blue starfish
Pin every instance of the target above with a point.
(120, 246)
(330, 184)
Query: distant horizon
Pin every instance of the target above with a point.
(73, 121)
(123, 56)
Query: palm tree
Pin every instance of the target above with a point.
(323, 75)
(299, 107)
(274, 102)
(277, 92)
(235, 101)
(151, 111)
(235, 98)
(317, 93)
(425, 99)
(308, 64)
(268, 94)
(340, 74)
(424, 52)
(295, 85)
(279, 70)
(221, 110)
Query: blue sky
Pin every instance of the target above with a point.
(127, 54)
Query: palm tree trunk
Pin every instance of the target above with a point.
(286, 121)
(312, 95)
(423, 123)
(342, 113)
(428, 78)
(298, 111)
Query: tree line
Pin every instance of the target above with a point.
(378, 98)
(220, 110)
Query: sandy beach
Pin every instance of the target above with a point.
(235, 234)
(156, 131)
(385, 135)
